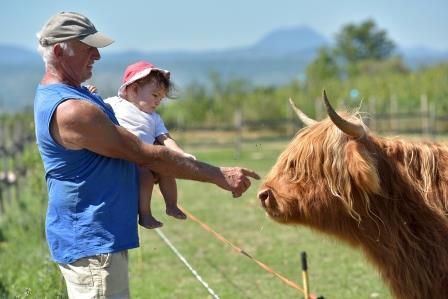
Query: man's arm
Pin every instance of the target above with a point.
(78, 124)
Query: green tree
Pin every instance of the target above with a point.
(356, 43)
(358, 48)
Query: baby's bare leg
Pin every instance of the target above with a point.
(145, 217)
(168, 188)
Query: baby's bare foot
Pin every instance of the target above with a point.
(175, 212)
(148, 221)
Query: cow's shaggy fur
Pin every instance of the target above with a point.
(387, 196)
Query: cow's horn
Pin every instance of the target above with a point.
(302, 116)
(354, 130)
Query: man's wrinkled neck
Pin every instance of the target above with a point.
(52, 76)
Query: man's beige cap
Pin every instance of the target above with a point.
(65, 26)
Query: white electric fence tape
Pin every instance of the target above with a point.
(195, 273)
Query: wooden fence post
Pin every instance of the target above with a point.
(433, 119)
(238, 118)
(424, 114)
(180, 128)
(393, 114)
(306, 287)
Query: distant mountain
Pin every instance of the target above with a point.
(419, 56)
(290, 40)
(277, 58)
(274, 45)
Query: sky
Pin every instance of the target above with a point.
(210, 24)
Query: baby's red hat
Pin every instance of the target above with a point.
(137, 71)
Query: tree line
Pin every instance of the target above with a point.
(361, 67)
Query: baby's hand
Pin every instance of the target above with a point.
(189, 156)
(91, 88)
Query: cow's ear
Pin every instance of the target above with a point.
(362, 167)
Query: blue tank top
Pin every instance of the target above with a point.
(92, 204)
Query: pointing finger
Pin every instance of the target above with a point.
(251, 173)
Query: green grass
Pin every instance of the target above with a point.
(26, 267)
(335, 270)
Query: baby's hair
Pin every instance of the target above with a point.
(161, 80)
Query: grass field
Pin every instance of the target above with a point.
(336, 271)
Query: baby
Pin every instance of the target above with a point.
(144, 87)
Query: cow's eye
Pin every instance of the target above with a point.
(292, 164)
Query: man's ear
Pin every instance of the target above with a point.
(57, 50)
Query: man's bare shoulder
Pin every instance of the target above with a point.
(77, 111)
(74, 121)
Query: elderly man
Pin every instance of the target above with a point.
(90, 165)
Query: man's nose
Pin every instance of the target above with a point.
(96, 54)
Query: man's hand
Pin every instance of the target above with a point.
(236, 179)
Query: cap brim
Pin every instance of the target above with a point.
(97, 40)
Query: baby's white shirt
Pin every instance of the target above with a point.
(146, 126)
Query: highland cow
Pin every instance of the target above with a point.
(388, 197)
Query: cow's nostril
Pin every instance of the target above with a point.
(263, 195)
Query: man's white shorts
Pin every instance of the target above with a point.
(100, 276)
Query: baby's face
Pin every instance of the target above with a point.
(149, 96)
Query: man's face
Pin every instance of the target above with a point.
(77, 66)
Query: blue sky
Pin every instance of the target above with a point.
(211, 24)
